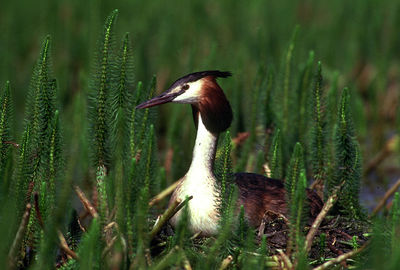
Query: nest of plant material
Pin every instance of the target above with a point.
(335, 236)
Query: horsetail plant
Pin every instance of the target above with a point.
(100, 91)
(395, 221)
(39, 113)
(143, 185)
(146, 117)
(122, 95)
(100, 113)
(286, 87)
(318, 134)
(147, 163)
(275, 156)
(9, 215)
(122, 102)
(331, 122)
(225, 241)
(134, 119)
(296, 183)
(347, 169)
(269, 85)
(6, 120)
(296, 165)
(21, 186)
(224, 173)
(38, 147)
(90, 248)
(303, 92)
(255, 115)
(286, 112)
(394, 230)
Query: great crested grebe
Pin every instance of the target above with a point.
(212, 115)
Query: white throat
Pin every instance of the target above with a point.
(204, 149)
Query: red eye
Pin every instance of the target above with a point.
(185, 87)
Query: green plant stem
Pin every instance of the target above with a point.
(324, 211)
(341, 258)
(156, 199)
(12, 255)
(86, 203)
(168, 214)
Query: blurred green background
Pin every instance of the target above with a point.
(359, 40)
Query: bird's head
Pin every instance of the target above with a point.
(201, 90)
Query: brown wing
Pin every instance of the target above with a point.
(259, 194)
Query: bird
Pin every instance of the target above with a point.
(213, 115)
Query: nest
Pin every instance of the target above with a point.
(336, 235)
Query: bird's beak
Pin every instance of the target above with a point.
(165, 97)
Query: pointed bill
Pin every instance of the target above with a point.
(165, 97)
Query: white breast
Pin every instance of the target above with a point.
(203, 214)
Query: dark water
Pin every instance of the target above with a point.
(374, 189)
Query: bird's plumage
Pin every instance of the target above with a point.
(258, 193)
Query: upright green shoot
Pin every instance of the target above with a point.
(275, 156)
(122, 95)
(100, 91)
(296, 183)
(303, 93)
(100, 111)
(6, 121)
(223, 170)
(318, 136)
(91, 247)
(347, 168)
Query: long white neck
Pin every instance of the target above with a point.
(199, 182)
(204, 150)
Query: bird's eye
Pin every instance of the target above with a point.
(185, 87)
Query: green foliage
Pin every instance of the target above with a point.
(295, 167)
(99, 100)
(384, 251)
(275, 156)
(347, 168)
(287, 84)
(331, 115)
(296, 183)
(6, 120)
(122, 95)
(91, 247)
(40, 111)
(182, 235)
(318, 130)
(23, 172)
(285, 107)
(40, 155)
(224, 173)
(303, 92)
(122, 102)
(134, 125)
(146, 173)
(140, 228)
(394, 223)
(102, 196)
(226, 241)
